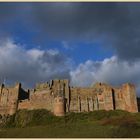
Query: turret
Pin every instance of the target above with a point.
(13, 107)
(18, 86)
(59, 100)
(129, 94)
(59, 108)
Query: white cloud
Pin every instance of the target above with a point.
(36, 65)
(35, 53)
(30, 66)
(110, 70)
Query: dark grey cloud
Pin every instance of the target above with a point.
(116, 25)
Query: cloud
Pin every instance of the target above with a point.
(68, 46)
(31, 66)
(113, 24)
(110, 70)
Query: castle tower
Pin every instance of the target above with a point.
(67, 94)
(130, 97)
(59, 108)
(13, 108)
(18, 86)
(96, 103)
(59, 101)
(14, 99)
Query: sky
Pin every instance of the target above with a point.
(83, 42)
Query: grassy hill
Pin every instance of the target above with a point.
(97, 124)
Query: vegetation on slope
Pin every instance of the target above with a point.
(41, 123)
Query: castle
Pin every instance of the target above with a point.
(59, 98)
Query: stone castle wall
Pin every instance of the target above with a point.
(58, 97)
(9, 99)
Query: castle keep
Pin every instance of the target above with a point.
(59, 98)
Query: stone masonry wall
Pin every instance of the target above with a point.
(9, 99)
(58, 97)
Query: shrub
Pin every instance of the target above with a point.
(120, 121)
(24, 118)
(102, 114)
(35, 117)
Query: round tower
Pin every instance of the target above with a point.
(59, 106)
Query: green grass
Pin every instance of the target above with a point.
(97, 124)
(58, 131)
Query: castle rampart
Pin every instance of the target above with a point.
(58, 97)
